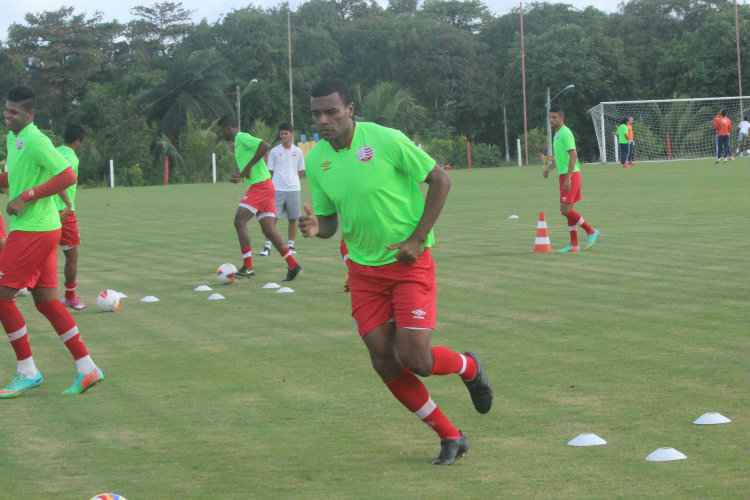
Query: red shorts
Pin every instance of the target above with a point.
(574, 195)
(70, 238)
(260, 199)
(29, 260)
(406, 294)
(3, 234)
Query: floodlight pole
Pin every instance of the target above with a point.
(739, 53)
(289, 45)
(523, 83)
(505, 123)
(239, 113)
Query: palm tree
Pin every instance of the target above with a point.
(392, 106)
(194, 85)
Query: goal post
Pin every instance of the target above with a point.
(667, 129)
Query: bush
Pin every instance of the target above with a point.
(486, 155)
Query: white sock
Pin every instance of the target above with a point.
(27, 367)
(267, 245)
(290, 243)
(85, 365)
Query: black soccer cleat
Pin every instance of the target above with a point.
(451, 450)
(479, 388)
(245, 273)
(292, 273)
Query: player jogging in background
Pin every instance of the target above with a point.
(622, 142)
(287, 164)
(723, 127)
(631, 141)
(743, 137)
(569, 169)
(70, 239)
(365, 179)
(258, 200)
(36, 174)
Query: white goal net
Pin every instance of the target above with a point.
(667, 129)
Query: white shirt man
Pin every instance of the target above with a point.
(742, 139)
(287, 164)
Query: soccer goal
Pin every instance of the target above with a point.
(666, 129)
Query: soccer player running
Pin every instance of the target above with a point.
(365, 178)
(723, 128)
(622, 142)
(742, 137)
(259, 199)
(36, 173)
(287, 164)
(70, 239)
(568, 166)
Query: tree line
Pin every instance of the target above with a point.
(444, 71)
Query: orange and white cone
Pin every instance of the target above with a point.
(542, 243)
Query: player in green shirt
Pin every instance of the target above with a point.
(259, 199)
(565, 160)
(70, 239)
(365, 179)
(36, 173)
(623, 142)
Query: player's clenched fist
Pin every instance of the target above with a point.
(308, 223)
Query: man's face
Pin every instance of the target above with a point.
(16, 117)
(286, 137)
(556, 120)
(331, 115)
(228, 133)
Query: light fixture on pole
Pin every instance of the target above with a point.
(549, 108)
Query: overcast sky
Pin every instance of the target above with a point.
(13, 11)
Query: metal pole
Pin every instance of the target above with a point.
(603, 150)
(289, 44)
(505, 123)
(617, 149)
(739, 52)
(523, 80)
(112, 174)
(518, 150)
(213, 167)
(549, 125)
(239, 115)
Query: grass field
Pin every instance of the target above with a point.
(272, 396)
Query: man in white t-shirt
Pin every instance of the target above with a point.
(742, 139)
(287, 164)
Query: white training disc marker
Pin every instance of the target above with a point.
(285, 290)
(150, 299)
(202, 288)
(587, 440)
(711, 419)
(665, 455)
(513, 217)
(271, 286)
(216, 296)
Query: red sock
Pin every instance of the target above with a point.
(579, 221)
(446, 361)
(15, 327)
(247, 257)
(65, 326)
(291, 262)
(70, 290)
(412, 393)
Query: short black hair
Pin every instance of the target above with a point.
(557, 109)
(286, 126)
(23, 96)
(327, 87)
(228, 120)
(73, 133)
(723, 112)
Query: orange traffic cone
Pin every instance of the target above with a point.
(542, 243)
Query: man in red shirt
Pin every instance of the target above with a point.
(723, 127)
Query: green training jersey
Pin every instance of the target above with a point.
(245, 147)
(622, 134)
(73, 161)
(373, 186)
(33, 160)
(564, 143)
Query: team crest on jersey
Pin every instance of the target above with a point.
(19, 144)
(325, 166)
(365, 154)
